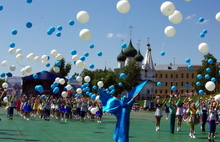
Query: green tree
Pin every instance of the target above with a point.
(202, 70)
(64, 68)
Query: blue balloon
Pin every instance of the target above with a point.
(14, 32)
(187, 86)
(35, 76)
(113, 91)
(43, 71)
(201, 92)
(74, 62)
(123, 45)
(123, 75)
(43, 96)
(52, 29)
(71, 78)
(93, 96)
(190, 66)
(94, 87)
(201, 19)
(173, 88)
(188, 60)
(205, 31)
(202, 35)
(91, 66)
(2, 75)
(28, 24)
(87, 93)
(199, 76)
(99, 53)
(210, 61)
(49, 32)
(120, 84)
(207, 76)
(86, 54)
(208, 69)
(56, 90)
(162, 53)
(55, 84)
(52, 86)
(48, 65)
(58, 34)
(198, 83)
(71, 22)
(48, 57)
(59, 28)
(91, 46)
(82, 58)
(218, 71)
(58, 63)
(159, 84)
(1, 7)
(12, 44)
(73, 52)
(29, 1)
(9, 74)
(213, 79)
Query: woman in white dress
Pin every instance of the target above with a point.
(158, 113)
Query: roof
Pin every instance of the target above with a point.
(170, 66)
(130, 51)
(121, 56)
(138, 57)
(46, 76)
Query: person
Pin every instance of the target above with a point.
(83, 110)
(99, 113)
(158, 113)
(179, 114)
(172, 106)
(78, 107)
(192, 119)
(204, 110)
(212, 120)
(12, 105)
(1, 96)
(47, 108)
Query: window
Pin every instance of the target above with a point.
(161, 75)
(148, 91)
(192, 75)
(187, 75)
(156, 76)
(176, 83)
(171, 76)
(187, 82)
(171, 83)
(152, 90)
(166, 83)
(166, 75)
(176, 75)
(182, 75)
(182, 83)
(155, 91)
(161, 91)
(181, 91)
(165, 91)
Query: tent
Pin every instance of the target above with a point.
(45, 79)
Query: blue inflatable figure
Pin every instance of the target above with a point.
(121, 109)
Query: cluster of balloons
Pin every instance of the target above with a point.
(39, 88)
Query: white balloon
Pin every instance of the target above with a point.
(79, 90)
(75, 57)
(87, 79)
(64, 94)
(56, 69)
(123, 6)
(4, 63)
(57, 80)
(11, 50)
(30, 56)
(54, 52)
(12, 67)
(79, 78)
(83, 66)
(28, 69)
(85, 34)
(19, 57)
(217, 97)
(176, 17)
(23, 71)
(5, 85)
(98, 99)
(68, 87)
(187, 0)
(18, 51)
(167, 8)
(210, 86)
(5, 99)
(62, 81)
(44, 62)
(82, 17)
(94, 110)
(203, 47)
(79, 64)
(170, 31)
(100, 84)
(217, 16)
(59, 57)
(44, 58)
(37, 59)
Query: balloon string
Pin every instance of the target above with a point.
(20, 64)
(164, 42)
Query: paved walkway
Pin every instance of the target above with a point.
(142, 129)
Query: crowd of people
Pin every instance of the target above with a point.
(192, 113)
(46, 106)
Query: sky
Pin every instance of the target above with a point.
(108, 27)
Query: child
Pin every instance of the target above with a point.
(212, 120)
(83, 110)
(27, 109)
(47, 109)
(99, 113)
(12, 105)
(158, 113)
